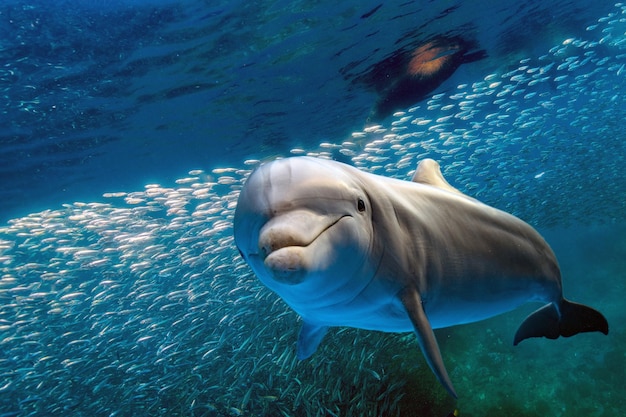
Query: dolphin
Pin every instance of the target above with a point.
(343, 247)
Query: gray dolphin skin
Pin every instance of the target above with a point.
(347, 248)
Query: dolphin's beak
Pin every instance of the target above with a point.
(283, 241)
(294, 228)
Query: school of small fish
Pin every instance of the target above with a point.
(141, 305)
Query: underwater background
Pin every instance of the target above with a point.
(127, 129)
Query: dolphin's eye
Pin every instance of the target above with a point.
(360, 205)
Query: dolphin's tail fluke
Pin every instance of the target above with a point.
(570, 319)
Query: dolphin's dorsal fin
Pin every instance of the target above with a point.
(428, 172)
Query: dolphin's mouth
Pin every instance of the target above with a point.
(284, 253)
(274, 238)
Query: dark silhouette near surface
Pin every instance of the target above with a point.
(406, 78)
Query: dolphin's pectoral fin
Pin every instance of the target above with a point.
(574, 318)
(310, 338)
(429, 173)
(426, 337)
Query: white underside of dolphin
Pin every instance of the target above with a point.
(347, 248)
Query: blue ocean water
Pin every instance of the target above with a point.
(128, 128)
